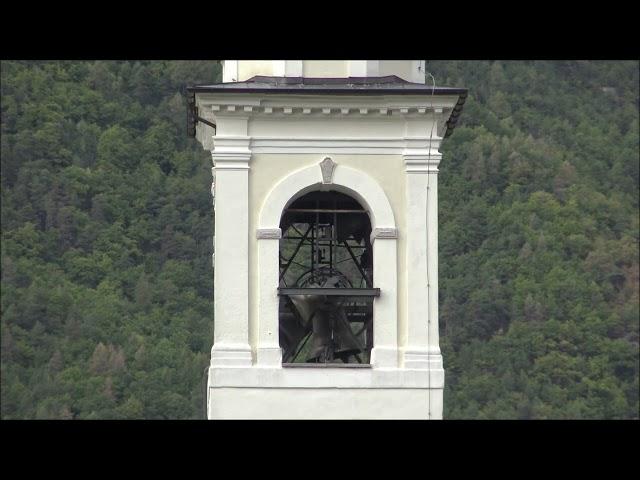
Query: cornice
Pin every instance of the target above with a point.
(346, 145)
(421, 161)
(311, 109)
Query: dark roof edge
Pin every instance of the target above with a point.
(455, 114)
(331, 91)
(390, 85)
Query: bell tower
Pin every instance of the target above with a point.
(326, 234)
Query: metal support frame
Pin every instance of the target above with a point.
(314, 238)
(339, 292)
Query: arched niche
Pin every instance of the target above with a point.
(367, 192)
(326, 281)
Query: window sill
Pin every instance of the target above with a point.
(326, 365)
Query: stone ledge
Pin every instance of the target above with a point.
(329, 377)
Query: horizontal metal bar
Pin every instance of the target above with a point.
(327, 365)
(323, 210)
(337, 245)
(338, 292)
(206, 122)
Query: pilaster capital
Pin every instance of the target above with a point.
(268, 233)
(384, 232)
(421, 161)
(231, 153)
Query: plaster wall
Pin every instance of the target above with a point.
(405, 69)
(325, 68)
(241, 70)
(321, 403)
(251, 68)
(268, 169)
(339, 127)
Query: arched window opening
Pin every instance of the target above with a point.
(326, 281)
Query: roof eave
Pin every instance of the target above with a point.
(348, 86)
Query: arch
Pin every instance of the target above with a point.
(347, 180)
(371, 196)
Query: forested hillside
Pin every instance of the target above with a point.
(107, 221)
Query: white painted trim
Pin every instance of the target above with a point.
(269, 353)
(357, 68)
(206, 100)
(349, 180)
(422, 159)
(351, 145)
(283, 377)
(230, 355)
(268, 233)
(279, 68)
(407, 108)
(422, 344)
(231, 156)
(229, 71)
(325, 403)
(293, 68)
(384, 233)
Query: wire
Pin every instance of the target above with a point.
(206, 392)
(433, 124)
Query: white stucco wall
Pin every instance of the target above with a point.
(241, 70)
(251, 68)
(325, 68)
(405, 69)
(268, 169)
(342, 404)
(266, 149)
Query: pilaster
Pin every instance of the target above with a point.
(385, 312)
(269, 353)
(231, 156)
(422, 348)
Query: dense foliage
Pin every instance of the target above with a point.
(539, 241)
(106, 241)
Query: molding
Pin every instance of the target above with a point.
(279, 377)
(231, 152)
(384, 232)
(346, 179)
(346, 108)
(418, 105)
(421, 161)
(348, 145)
(224, 161)
(327, 167)
(270, 357)
(230, 355)
(268, 233)
(422, 359)
(384, 356)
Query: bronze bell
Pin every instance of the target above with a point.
(332, 337)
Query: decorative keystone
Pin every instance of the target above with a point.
(327, 167)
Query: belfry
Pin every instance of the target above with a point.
(326, 238)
